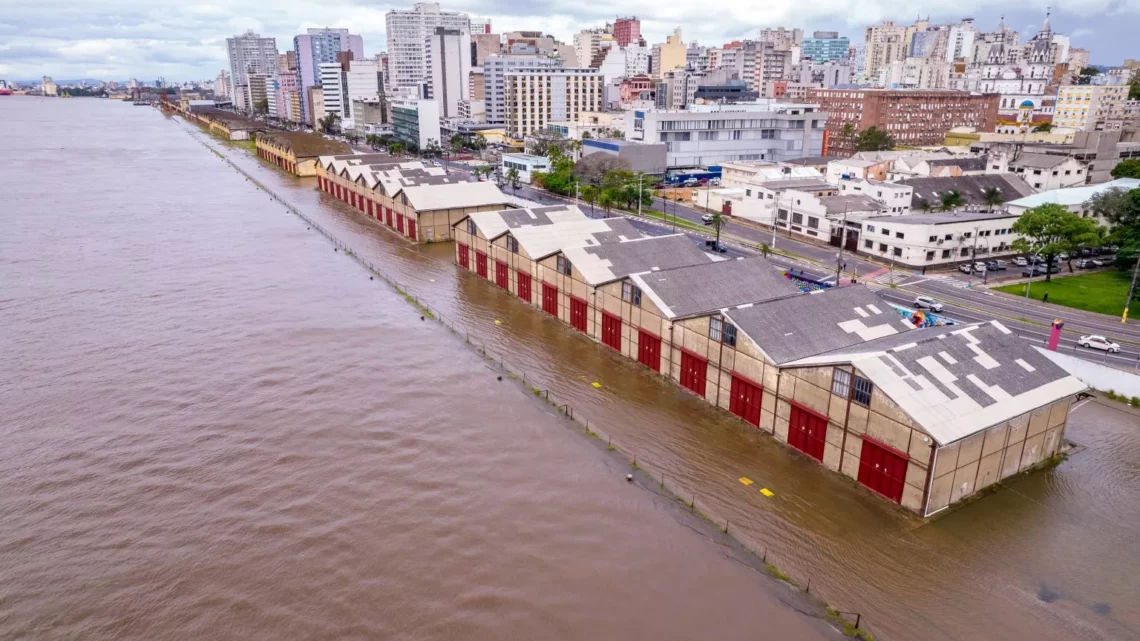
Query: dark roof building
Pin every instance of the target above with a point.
(972, 189)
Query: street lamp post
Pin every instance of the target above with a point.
(973, 260)
(842, 236)
(775, 216)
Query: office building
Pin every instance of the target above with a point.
(448, 59)
(1090, 107)
(334, 91)
(825, 46)
(538, 95)
(495, 70)
(408, 32)
(316, 47)
(674, 54)
(911, 117)
(416, 123)
(704, 135)
(483, 45)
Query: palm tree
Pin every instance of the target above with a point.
(395, 147)
(925, 205)
(513, 178)
(951, 200)
(718, 221)
(765, 250)
(993, 197)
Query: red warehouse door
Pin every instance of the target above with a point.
(745, 399)
(611, 330)
(389, 216)
(370, 209)
(481, 263)
(883, 469)
(649, 350)
(463, 259)
(502, 279)
(550, 299)
(694, 369)
(411, 228)
(578, 314)
(400, 224)
(524, 286)
(806, 432)
(352, 198)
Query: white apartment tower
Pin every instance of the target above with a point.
(536, 96)
(448, 60)
(495, 70)
(408, 32)
(334, 90)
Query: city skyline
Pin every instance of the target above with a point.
(188, 42)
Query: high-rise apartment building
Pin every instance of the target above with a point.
(222, 86)
(912, 117)
(885, 43)
(674, 53)
(536, 96)
(627, 31)
(483, 45)
(261, 93)
(1090, 107)
(316, 47)
(825, 46)
(334, 90)
(495, 70)
(480, 26)
(250, 53)
(365, 80)
(408, 31)
(448, 60)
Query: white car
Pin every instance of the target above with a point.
(926, 302)
(1020, 261)
(707, 219)
(1093, 341)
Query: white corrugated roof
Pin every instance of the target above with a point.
(453, 195)
(1073, 196)
(542, 241)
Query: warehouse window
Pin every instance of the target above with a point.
(715, 327)
(730, 334)
(631, 293)
(563, 265)
(512, 244)
(868, 244)
(470, 226)
(841, 383)
(862, 391)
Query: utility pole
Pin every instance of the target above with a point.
(842, 237)
(973, 260)
(639, 177)
(1131, 289)
(775, 217)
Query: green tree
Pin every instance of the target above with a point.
(1043, 128)
(1119, 209)
(261, 106)
(1134, 90)
(951, 200)
(1085, 76)
(589, 193)
(512, 177)
(330, 124)
(1050, 230)
(458, 142)
(925, 205)
(395, 147)
(432, 149)
(605, 199)
(874, 139)
(1127, 169)
(993, 197)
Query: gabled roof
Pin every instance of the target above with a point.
(600, 264)
(303, 144)
(851, 203)
(789, 329)
(492, 224)
(454, 196)
(708, 287)
(971, 188)
(965, 163)
(541, 241)
(957, 383)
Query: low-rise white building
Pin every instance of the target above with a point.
(1075, 199)
(893, 196)
(1048, 171)
(526, 164)
(939, 239)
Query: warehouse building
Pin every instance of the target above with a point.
(296, 151)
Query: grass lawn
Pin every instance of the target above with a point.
(1102, 292)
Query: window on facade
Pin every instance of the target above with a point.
(870, 228)
(899, 234)
(813, 222)
(882, 247)
(747, 192)
(797, 219)
(631, 293)
(886, 232)
(563, 265)
(965, 251)
(929, 255)
(949, 237)
(470, 226)
(783, 215)
(946, 253)
(967, 234)
(729, 334)
(512, 244)
(861, 391)
(841, 383)
(933, 239)
(898, 251)
(716, 328)
(868, 244)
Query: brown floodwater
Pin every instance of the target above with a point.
(215, 427)
(297, 452)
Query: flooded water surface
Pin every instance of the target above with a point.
(217, 427)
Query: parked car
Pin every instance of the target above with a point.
(691, 182)
(964, 268)
(999, 264)
(1020, 261)
(1036, 270)
(715, 246)
(1104, 261)
(979, 268)
(1062, 256)
(1085, 263)
(1094, 341)
(707, 219)
(926, 302)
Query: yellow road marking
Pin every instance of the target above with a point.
(766, 492)
(596, 384)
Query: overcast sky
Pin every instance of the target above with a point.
(120, 39)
